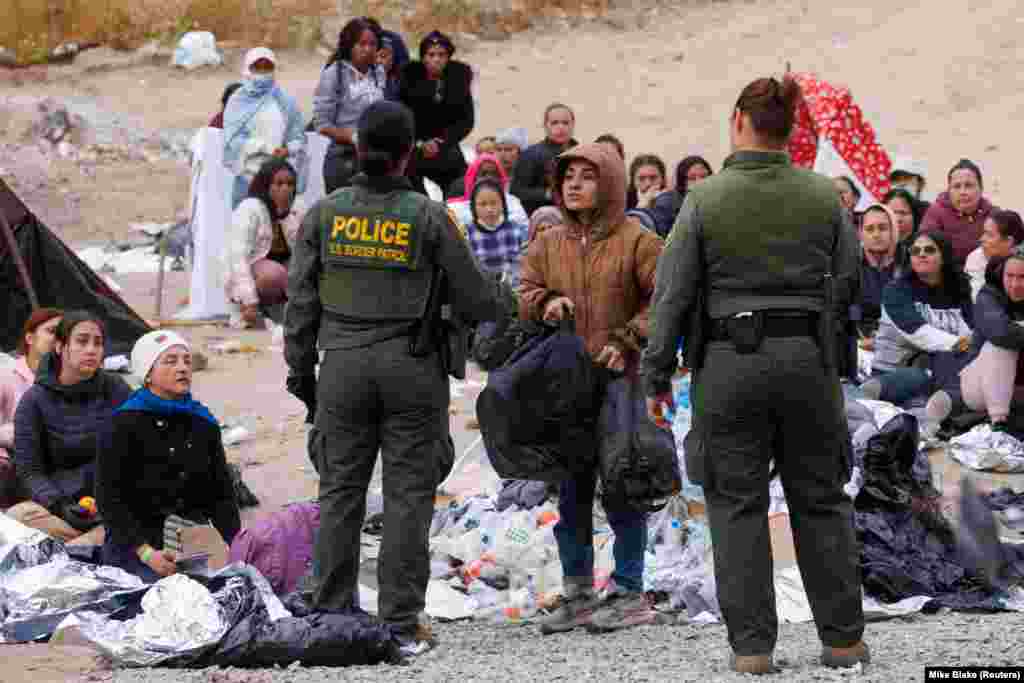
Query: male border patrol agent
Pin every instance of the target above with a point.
(765, 249)
(361, 278)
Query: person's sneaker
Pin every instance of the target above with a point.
(572, 612)
(939, 407)
(752, 664)
(872, 389)
(622, 610)
(845, 657)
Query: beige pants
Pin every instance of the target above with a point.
(35, 516)
(989, 382)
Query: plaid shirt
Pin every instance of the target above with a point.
(498, 250)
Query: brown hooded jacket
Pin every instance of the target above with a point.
(606, 269)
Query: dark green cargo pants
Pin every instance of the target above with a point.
(370, 400)
(778, 404)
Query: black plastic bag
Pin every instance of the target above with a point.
(889, 459)
(639, 466)
(244, 497)
(538, 412)
(314, 639)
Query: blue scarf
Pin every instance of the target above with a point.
(244, 105)
(146, 401)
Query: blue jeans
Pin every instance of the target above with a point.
(903, 384)
(574, 533)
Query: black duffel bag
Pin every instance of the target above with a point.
(538, 412)
(639, 467)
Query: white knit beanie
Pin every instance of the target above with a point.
(149, 347)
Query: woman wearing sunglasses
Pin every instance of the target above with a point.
(925, 332)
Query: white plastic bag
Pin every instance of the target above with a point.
(197, 49)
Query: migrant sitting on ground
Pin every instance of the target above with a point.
(877, 268)
(350, 82)
(218, 120)
(437, 89)
(37, 339)
(908, 175)
(925, 331)
(607, 289)
(162, 458)
(484, 167)
(689, 172)
(901, 204)
(57, 431)
(497, 239)
(993, 382)
(509, 145)
(260, 122)
(849, 196)
(613, 143)
(531, 180)
(959, 213)
(1002, 233)
(259, 245)
(646, 181)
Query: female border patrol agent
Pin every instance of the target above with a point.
(360, 281)
(765, 249)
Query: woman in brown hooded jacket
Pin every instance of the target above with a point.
(598, 267)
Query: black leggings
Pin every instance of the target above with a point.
(444, 169)
(340, 165)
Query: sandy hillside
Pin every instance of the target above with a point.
(939, 84)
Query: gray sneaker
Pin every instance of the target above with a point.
(573, 611)
(622, 610)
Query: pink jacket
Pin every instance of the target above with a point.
(249, 238)
(13, 385)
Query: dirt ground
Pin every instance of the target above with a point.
(941, 82)
(663, 79)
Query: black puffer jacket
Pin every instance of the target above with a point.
(450, 119)
(56, 431)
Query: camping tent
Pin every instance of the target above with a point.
(832, 137)
(59, 278)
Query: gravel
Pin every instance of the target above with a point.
(470, 652)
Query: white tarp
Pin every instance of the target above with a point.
(211, 217)
(831, 164)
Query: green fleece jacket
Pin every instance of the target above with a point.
(760, 235)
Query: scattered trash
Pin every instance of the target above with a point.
(231, 346)
(236, 435)
(197, 49)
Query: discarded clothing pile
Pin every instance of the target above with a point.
(231, 618)
(908, 548)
